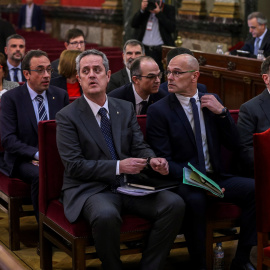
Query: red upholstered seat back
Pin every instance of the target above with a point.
(142, 122)
(261, 142)
(51, 169)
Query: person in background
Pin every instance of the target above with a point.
(254, 117)
(144, 89)
(171, 54)
(131, 50)
(189, 126)
(74, 40)
(4, 84)
(67, 71)
(31, 17)
(260, 39)
(15, 50)
(155, 26)
(22, 108)
(6, 30)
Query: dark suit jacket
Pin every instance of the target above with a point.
(38, 21)
(254, 117)
(61, 82)
(6, 30)
(118, 79)
(54, 65)
(170, 135)
(19, 129)
(82, 147)
(249, 46)
(125, 92)
(166, 21)
(8, 76)
(201, 87)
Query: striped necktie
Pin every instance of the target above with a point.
(256, 48)
(42, 114)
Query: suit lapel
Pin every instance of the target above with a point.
(125, 76)
(177, 107)
(265, 40)
(90, 123)
(265, 105)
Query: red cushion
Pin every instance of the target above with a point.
(80, 228)
(14, 187)
(266, 251)
(223, 210)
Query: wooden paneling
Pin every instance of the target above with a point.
(235, 79)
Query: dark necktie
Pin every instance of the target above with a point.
(256, 46)
(143, 107)
(42, 114)
(15, 77)
(198, 135)
(106, 130)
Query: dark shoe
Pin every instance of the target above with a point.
(237, 266)
(227, 231)
(38, 249)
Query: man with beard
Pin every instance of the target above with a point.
(22, 108)
(131, 50)
(15, 50)
(144, 89)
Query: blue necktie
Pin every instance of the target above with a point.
(256, 48)
(106, 130)
(42, 114)
(198, 135)
(15, 76)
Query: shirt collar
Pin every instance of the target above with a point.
(10, 66)
(95, 107)
(262, 36)
(128, 72)
(138, 99)
(186, 100)
(33, 94)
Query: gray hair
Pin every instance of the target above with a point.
(14, 36)
(133, 42)
(261, 19)
(92, 52)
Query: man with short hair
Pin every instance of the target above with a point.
(100, 143)
(31, 17)
(22, 108)
(260, 39)
(74, 40)
(254, 117)
(189, 126)
(144, 89)
(131, 50)
(15, 50)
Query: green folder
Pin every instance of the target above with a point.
(195, 178)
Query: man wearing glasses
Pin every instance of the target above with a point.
(144, 88)
(22, 109)
(74, 40)
(189, 126)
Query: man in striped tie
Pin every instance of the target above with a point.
(22, 108)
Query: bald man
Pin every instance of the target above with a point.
(171, 132)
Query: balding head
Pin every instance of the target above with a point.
(183, 74)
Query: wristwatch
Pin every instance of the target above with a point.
(223, 112)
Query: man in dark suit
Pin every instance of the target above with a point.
(31, 17)
(171, 54)
(144, 89)
(100, 142)
(131, 50)
(22, 108)
(15, 50)
(254, 117)
(155, 25)
(171, 124)
(74, 40)
(260, 39)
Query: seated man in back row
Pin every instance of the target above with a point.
(144, 89)
(189, 126)
(100, 142)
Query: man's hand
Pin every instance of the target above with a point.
(132, 165)
(156, 10)
(144, 5)
(210, 102)
(160, 165)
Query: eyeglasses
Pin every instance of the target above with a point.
(76, 43)
(151, 76)
(176, 73)
(41, 71)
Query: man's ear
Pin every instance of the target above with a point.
(66, 45)
(78, 78)
(26, 74)
(266, 78)
(6, 50)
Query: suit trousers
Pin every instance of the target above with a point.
(103, 212)
(29, 173)
(238, 190)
